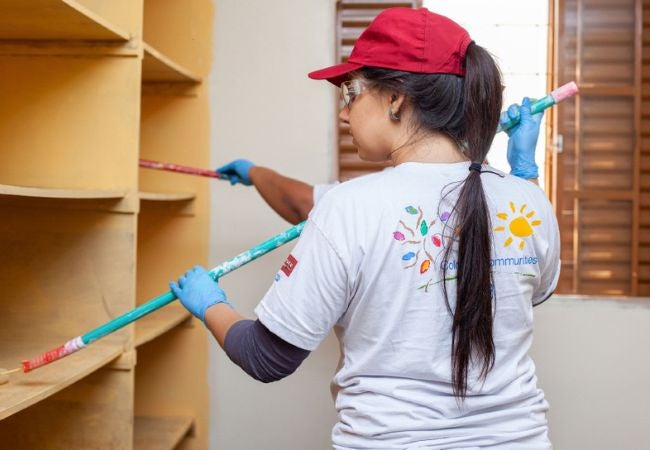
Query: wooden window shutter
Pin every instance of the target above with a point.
(598, 184)
(644, 162)
(352, 17)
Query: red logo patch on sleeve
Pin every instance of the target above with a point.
(289, 265)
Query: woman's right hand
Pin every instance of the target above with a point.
(237, 171)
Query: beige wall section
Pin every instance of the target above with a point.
(266, 109)
(592, 362)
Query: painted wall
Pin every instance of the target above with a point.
(591, 355)
(592, 362)
(264, 108)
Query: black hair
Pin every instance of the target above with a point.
(467, 110)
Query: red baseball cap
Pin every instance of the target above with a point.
(412, 40)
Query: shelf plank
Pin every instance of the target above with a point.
(73, 194)
(158, 68)
(167, 196)
(159, 322)
(160, 433)
(55, 20)
(26, 389)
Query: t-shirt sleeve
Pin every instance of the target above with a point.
(310, 292)
(322, 189)
(549, 262)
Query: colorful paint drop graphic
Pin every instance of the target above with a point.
(519, 226)
(408, 256)
(414, 232)
(424, 228)
(445, 216)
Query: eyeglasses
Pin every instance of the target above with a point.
(350, 90)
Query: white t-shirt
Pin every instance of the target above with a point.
(322, 189)
(368, 265)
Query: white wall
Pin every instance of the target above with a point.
(264, 108)
(593, 363)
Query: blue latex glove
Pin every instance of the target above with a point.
(237, 171)
(523, 140)
(197, 291)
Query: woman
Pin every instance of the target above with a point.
(427, 272)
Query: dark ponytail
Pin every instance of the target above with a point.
(467, 110)
(472, 339)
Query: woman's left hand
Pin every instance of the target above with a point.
(197, 291)
(523, 139)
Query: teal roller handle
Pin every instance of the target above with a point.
(535, 107)
(127, 318)
(79, 342)
(561, 93)
(216, 273)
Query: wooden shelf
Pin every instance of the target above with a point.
(159, 322)
(160, 433)
(26, 389)
(73, 194)
(158, 68)
(91, 93)
(55, 20)
(166, 197)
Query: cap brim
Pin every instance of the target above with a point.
(335, 74)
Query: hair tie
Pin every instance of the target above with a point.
(475, 166)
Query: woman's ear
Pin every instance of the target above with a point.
(396, 102)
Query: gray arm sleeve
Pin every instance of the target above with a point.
(260, 353)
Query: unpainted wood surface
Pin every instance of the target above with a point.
(159, 322)
(95, 413)
(70, 123)
(55, 20)
(160, 433)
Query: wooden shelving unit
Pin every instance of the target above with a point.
(72, 194)
(160, 433)
(156, 68)
(166, 197)
(25, 390)
(55, 20)
(89, 87)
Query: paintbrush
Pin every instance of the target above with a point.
(182, 169)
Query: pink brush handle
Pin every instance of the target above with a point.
(181, 169)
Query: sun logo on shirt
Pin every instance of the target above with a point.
(520, 224)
